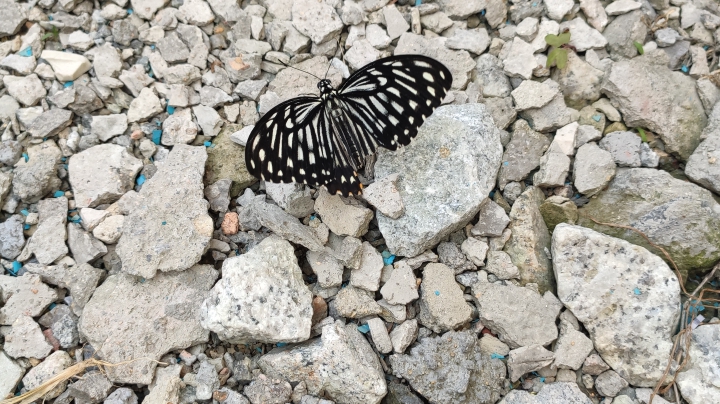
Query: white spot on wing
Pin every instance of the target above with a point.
(261, 154)
(420, 63)
(431, 91)
(427, 76)
(404, 75)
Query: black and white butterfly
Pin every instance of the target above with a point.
(325, 140)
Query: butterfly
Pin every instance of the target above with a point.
(325, 139)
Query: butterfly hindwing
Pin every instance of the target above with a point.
(391, 98)
(290, 143)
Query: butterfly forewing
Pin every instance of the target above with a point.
(324, 140)
(392, 97)
(290, 144)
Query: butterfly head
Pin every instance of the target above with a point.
(325, 86)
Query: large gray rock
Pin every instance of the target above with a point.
(627, 298)
(48, 241)
(14, 15)
(37, 176)
(169, 228)
(451, 369)
(698, 381)
(340, 363)
(459, 63)
(519, 316)
(553, 393)
(679, 216)
(702, 165)
(529, 242)
(50, 367)
(261, 297)
(651, 96)
(138, 320)
(457, 146)
(83, 245)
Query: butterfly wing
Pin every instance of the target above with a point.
(389, 99)
(290, 143)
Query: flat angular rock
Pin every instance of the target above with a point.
(623, 32)
(171, 300)
(490, 76)
(467, 375)
(527, 359)
(20, 64)
(701, 166)
(50, 367)
(401, 287)
(519, 59)
(609, 383)
(571, 348)
(285, 225)
(466, 136)
(161, 237)
(459, 63)
(48, 241)
(651, 96)
(523, 318)
(533, 94)
(37, 176)
(296, 199)
(144, 107)
(595, 272)
(530, 240)
(368, 275)
(317, 20)
(583, 37)
(472, 40)
(559, 392)
(327, 269)
(352, 302)
(11, 373)
(83, 246)
(28, 90)
(594, 168)
(102, 174)
(261, 297)
(552, 116)
(14, 15)
(105, 127)
(12, 238)
(80, 280)
(522, 155)
(442, 306)
(624, 147)
(384, 195)
(25, 295)
(698, 380)
(677, 215)
(166, 386)
(343, 218)
(227, 161)
(179, 128)
(208, 120)
(341, 363)
(67, 66)
(26, 340)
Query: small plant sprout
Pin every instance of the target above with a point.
(639, 47)
(558, 55)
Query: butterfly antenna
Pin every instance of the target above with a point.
(292, 67)
(330, 65)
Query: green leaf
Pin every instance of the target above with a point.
(561, 58)
(639, 47)
(551, 57)
(557, 40)
(643, 137)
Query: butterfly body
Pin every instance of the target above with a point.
(325, 140)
